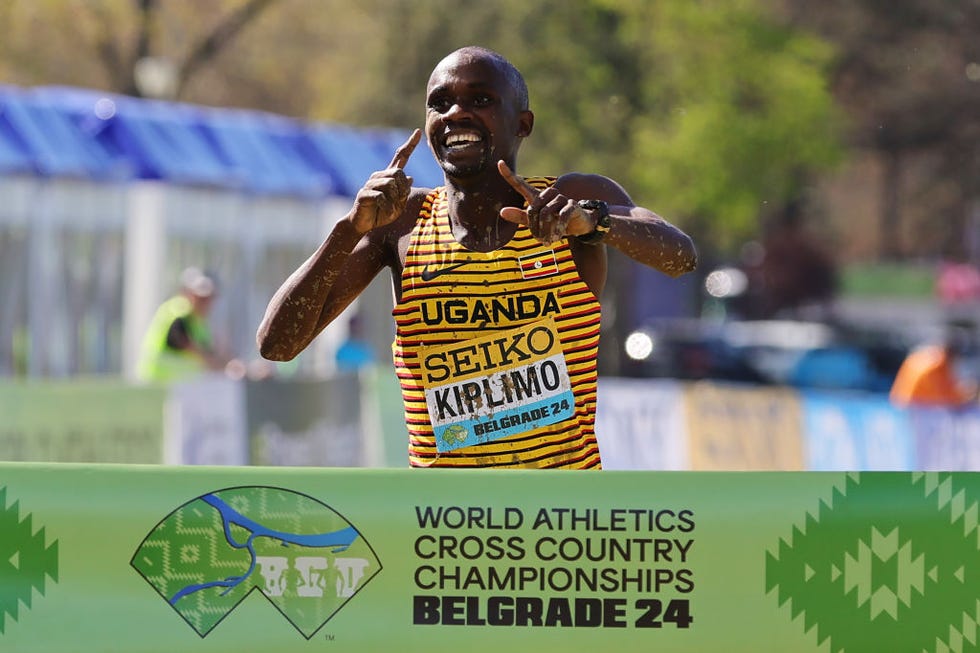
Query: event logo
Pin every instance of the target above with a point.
(906, 581)
(26, 561)
(212, 552)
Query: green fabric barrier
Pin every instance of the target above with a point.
(128, 559)
(81, 420)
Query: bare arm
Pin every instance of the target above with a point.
(639, 233)
(341, 267)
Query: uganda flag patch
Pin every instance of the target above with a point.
(542, 264)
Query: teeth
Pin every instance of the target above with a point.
(455, 139)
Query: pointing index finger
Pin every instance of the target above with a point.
(525, 189)
(403, 153)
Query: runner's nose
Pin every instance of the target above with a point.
(456, 111)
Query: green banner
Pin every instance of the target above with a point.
(81, 420)
(149, 558)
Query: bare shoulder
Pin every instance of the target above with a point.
(582, 185)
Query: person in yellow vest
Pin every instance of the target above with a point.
(178, 343)
(496, 279)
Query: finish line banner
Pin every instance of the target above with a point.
(102, 559)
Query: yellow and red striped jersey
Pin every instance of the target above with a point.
(496, 352)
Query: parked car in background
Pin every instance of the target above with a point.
(769, 352)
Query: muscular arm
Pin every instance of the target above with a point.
(637, 232)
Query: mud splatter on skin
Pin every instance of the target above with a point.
(670, 261)
(298, 318)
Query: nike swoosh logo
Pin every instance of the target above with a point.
(429, 275)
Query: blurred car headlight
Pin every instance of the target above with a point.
(639, 345)
(726, 282)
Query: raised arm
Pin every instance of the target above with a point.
(341, 267)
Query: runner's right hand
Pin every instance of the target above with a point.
(383, 197)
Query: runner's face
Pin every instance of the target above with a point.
(472, 116)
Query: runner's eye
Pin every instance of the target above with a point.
(439, 104)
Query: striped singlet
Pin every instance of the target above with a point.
(495, 351)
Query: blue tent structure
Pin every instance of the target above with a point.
(74, 132)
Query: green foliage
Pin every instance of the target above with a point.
(740, 117)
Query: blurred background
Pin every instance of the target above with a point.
(824, 156)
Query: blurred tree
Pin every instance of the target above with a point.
(793, 274)
(737, 118)
(908, 74)
(134, 42)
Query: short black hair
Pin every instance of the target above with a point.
(514, 76)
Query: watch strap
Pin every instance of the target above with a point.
(602, 224)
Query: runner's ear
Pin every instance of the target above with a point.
(526, 124)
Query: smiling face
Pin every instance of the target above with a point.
(476, 113)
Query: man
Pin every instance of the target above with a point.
(928, 375)
(177, 345)
(496, 280)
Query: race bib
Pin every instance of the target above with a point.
(499, 385)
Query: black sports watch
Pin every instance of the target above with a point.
(602, 222)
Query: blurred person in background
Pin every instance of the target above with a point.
(178, 344)
(929, 375)
(355, 352)
(496, 280)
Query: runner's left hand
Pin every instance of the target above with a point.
(550, 215)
